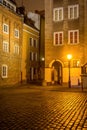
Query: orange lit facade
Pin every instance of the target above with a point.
(65, 33)
(30, 54)
(26, 55)
(10, 43)
(19, 47)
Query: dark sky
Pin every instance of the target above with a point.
(31, 5)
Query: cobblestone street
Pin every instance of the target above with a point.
(39, 108)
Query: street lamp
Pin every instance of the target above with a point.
(69, 57)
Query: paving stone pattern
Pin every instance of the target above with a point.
(42, 109)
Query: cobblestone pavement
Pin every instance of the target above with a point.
(38, 108)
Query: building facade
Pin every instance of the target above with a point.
(65, 33)
(11, 26)
(30, 54)
(19, 46)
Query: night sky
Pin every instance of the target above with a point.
(31, 5)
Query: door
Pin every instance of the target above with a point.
(57, 72)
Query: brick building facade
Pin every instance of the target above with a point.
(19, 46)
(65, 33)
(25, 57)
(11, 25)
(30, 54)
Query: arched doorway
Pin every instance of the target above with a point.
(56, 75)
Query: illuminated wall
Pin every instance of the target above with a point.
(30, 62)
(10, 46)
(65, 33)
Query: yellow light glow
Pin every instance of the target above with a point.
(69, 56)
(78, 63)
(43, 59)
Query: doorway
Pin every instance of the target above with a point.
(56, 75)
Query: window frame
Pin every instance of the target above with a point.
(16, 33)
(16, 49)
(31, 56)
(73, 31)
(4, 72)
(31, 41)
(35, 43)
(6, 28)
(35, 56)
(58, 14)
(58, 44)
(73, 11)
(76, 63)
(5, 46)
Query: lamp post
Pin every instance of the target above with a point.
(69, 57)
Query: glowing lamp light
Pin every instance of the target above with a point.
(43, 59)
(69, 56)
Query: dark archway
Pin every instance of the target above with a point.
(57, 72)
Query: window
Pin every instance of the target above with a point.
(5, 46)
(5, 28)
(58, 38)
(76, 63)
(73, 12)
(31, 56)
(35, 71)
(16, 49)
(16, 33)
(4, 71)
(31, 73)
(35, 56)
(58, 14)
(73, 36)
(31, 41)
(35, 43)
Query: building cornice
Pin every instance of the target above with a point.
(31, 28)
(30, 33)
